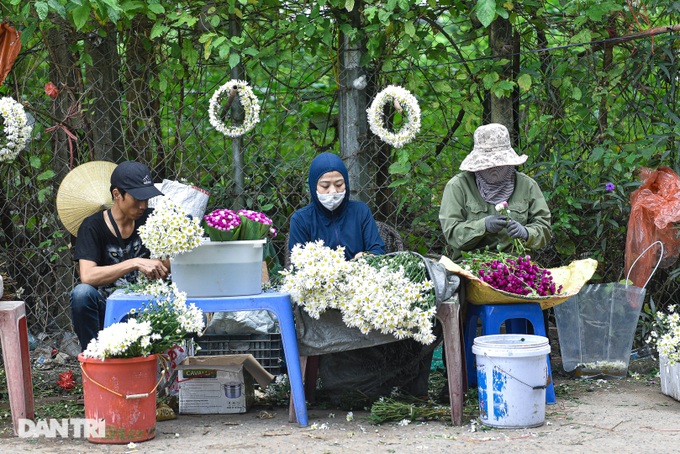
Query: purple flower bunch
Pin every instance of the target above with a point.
(222, 225)
(223, 219)
(256, 225)
(514, 275)
(229, 225)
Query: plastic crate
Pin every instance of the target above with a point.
(266, 348)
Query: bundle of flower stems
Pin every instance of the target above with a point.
(391, 409)
(413, 269)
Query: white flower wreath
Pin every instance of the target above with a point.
(402, 99)
(16, 129)
(249, 102)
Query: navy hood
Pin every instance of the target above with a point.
(324, 163)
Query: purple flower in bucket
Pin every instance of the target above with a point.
(609, 187)
(255, 225)
(229, 225)
(222, 225)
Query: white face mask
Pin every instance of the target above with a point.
(331, 201)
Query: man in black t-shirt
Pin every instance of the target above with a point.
(109, 252)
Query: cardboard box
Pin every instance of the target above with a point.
(219, 384)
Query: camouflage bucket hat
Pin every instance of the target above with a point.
(492, 149)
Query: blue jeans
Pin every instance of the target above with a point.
(87, 313)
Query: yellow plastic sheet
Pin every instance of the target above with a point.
(571, 277)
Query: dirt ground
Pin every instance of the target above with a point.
(627, 415)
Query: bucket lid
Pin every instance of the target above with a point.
(504, 345)
(254, 243)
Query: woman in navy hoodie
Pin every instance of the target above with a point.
(332, 216)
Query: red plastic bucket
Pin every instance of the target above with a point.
(122, 392)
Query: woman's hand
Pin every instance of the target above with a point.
(495, 223)
(517, 230)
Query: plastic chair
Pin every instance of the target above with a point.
(391, 237)
(515, 317)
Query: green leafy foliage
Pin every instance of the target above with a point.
(486, 11)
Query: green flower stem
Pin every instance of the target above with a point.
(518, 246)
(413, 266)
(388, 409)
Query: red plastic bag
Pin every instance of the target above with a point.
(655, 208)
(10, 45)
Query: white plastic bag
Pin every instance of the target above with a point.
(191, 198)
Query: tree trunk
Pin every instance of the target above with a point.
(66, 109)
(353, 123)
(501, 43)
(603, 117)
(142, 134)
(105, 111)
(65, 74)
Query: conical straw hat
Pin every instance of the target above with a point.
(84, 191)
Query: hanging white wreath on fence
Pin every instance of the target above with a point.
(248, 100)
(402, 100)
(16, 129)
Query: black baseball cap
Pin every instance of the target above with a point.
(134, 178)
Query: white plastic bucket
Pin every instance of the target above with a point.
(512, 374)
(670, 378)
(220, 268)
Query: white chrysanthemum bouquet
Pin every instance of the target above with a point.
(163, 323)
(170, 230)
(665, 336)
(372, 293)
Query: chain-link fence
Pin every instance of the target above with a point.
(585, 115)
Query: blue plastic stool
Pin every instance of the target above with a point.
(120, 303)
(515, 317)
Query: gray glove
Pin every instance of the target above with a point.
(517, 230)
(496, 223)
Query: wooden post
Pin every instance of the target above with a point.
(449, 316)
(238, 114)
(16, 358)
